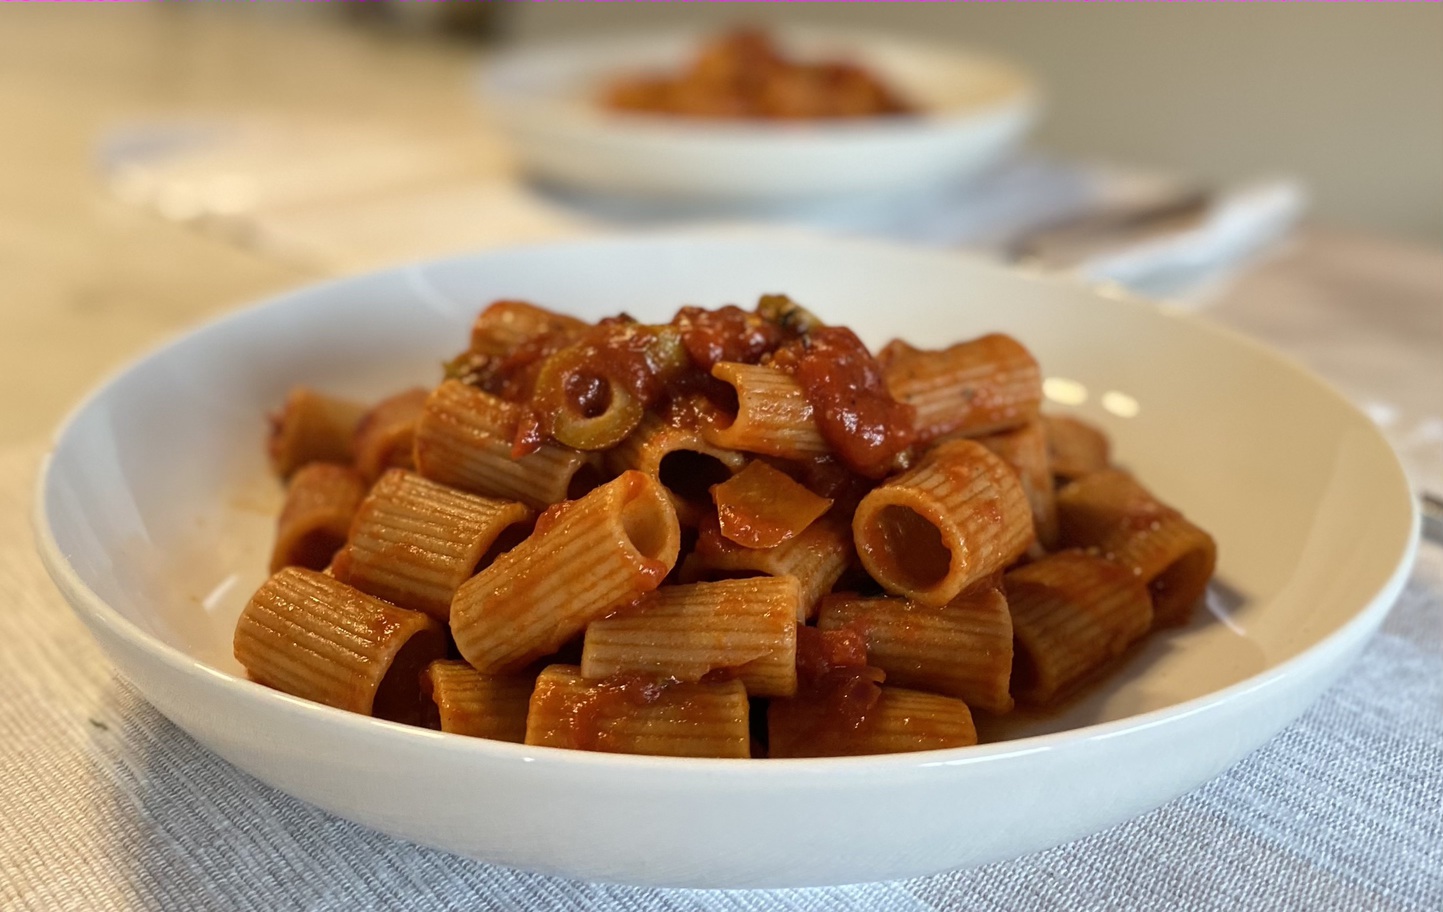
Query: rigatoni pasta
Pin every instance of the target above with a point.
(681, 459)
(962, 649)
(312, 636)
(636, 714)
(957, 516)
(504, 326)
(898, 721)
(773, 416)
(311, 427)
(385, 436)
(321, 499)
(464, 439)
(464, 701)
(977, 387)
(816, 558)
(1110, 511)
(587, 557)
(414, 542)
(1075, 448)
(735, 534)
(1025, 450)
(1072, 613)
(744, 629)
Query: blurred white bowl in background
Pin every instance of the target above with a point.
(974, 113)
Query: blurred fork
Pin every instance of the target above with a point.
(1065, 242)
(1432, 516)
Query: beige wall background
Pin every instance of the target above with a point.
(1349, 97)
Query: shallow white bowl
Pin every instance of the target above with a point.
(155, 514)
(975, 111)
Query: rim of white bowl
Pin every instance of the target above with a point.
(83, 600)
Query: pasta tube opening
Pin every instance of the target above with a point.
(908, 548)
(583, 481)
(648, 520)
(690, 474)
(727, 398)
(321, 501)
(313, 550)
(1025, 677)
(399, 697)
(952, 519)
(1182, 583)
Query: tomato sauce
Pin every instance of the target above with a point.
(579, 371)
(868, 430)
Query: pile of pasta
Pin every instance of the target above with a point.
(736, 534)
(745, 75)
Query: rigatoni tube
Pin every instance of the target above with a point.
(1025, 449)
(1072, 613)
(981, 386)
(312, 636)
(817, 558)
(466, 702)
(311, 427)
(773, 416)
(955, 517)
(637, 714)
(899, 721)
(745, 628)
(321, 500)
(1111, 512)
(685, 464)
(1075, 448)
(962, 649)
(585, 558)
(464, 438)
(505, 326)
(386, 435)
(414, 542)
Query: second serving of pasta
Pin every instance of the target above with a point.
(736, 534)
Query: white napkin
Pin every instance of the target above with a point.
(1236, 226)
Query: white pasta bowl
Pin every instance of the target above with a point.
(155, 514)
(974, 111)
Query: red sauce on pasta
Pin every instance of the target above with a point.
(836, 692)
(582, 373)
(609, 698)
(725, 334)
(834, 678)
(868, 429)
(745, 75)
(820, 651)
